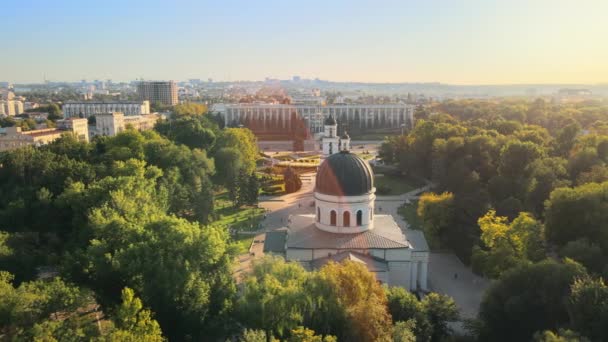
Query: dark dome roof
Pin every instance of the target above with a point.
(330, 121)
(344, 174)
(345, 135)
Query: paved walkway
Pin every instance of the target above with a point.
(448, 275)
(467, 289)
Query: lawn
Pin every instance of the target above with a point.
(408, 212)
(245, 218)
(243, 242)
(393, 185)
(365, 156)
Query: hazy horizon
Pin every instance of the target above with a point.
(475, 43)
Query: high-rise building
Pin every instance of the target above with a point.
(164, 92)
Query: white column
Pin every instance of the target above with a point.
(414, 280)
(423, 274)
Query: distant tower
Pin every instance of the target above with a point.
(330, 140)
(345, 142)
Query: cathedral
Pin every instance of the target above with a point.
(345, 224)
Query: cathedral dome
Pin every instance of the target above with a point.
(344, 174)
(330, 121)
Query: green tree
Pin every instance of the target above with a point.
(54, 112)
(588, 308)
(273, 298)
(436, 212)
(527, 299)
(242, 140)
(251, 335)
(189, 109)
(506, 245)
(229, 162)
(404, 331)
(439, 310)
(133, 323)
(561, 336)
(302, 334)
(588, 253)
(421, 113)
(583, 207)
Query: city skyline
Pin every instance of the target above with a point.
(470, 43)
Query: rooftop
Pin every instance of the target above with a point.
(372, 264)
(275, 241)
(386, 235)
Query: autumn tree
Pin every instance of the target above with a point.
(436, 212)
(506, 245)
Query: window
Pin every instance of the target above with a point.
(318, 214)
(332, 218)
(346, 219)
(359, 218)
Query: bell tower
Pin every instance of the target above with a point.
(330, 141)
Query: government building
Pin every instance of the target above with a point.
(272, 117)
(346, 226)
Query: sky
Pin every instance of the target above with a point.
(447, 41)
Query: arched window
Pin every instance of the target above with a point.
(318, 214)
(332, 218)
(359, 218)
(346, 219)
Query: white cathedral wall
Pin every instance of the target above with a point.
(326, 203)
(382, 277)
(400, 274)
(401, 254)
(298, 254)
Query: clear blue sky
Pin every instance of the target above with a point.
(450, 41)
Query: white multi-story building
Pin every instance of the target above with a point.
(280, 116)
(111, 124)
(75, 109)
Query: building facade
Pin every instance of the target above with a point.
(281, 116)
(80, 127)
(110, 124)
(164, 92)
(13, 137)
(11, 107)
(85, 109)
(345, 226)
